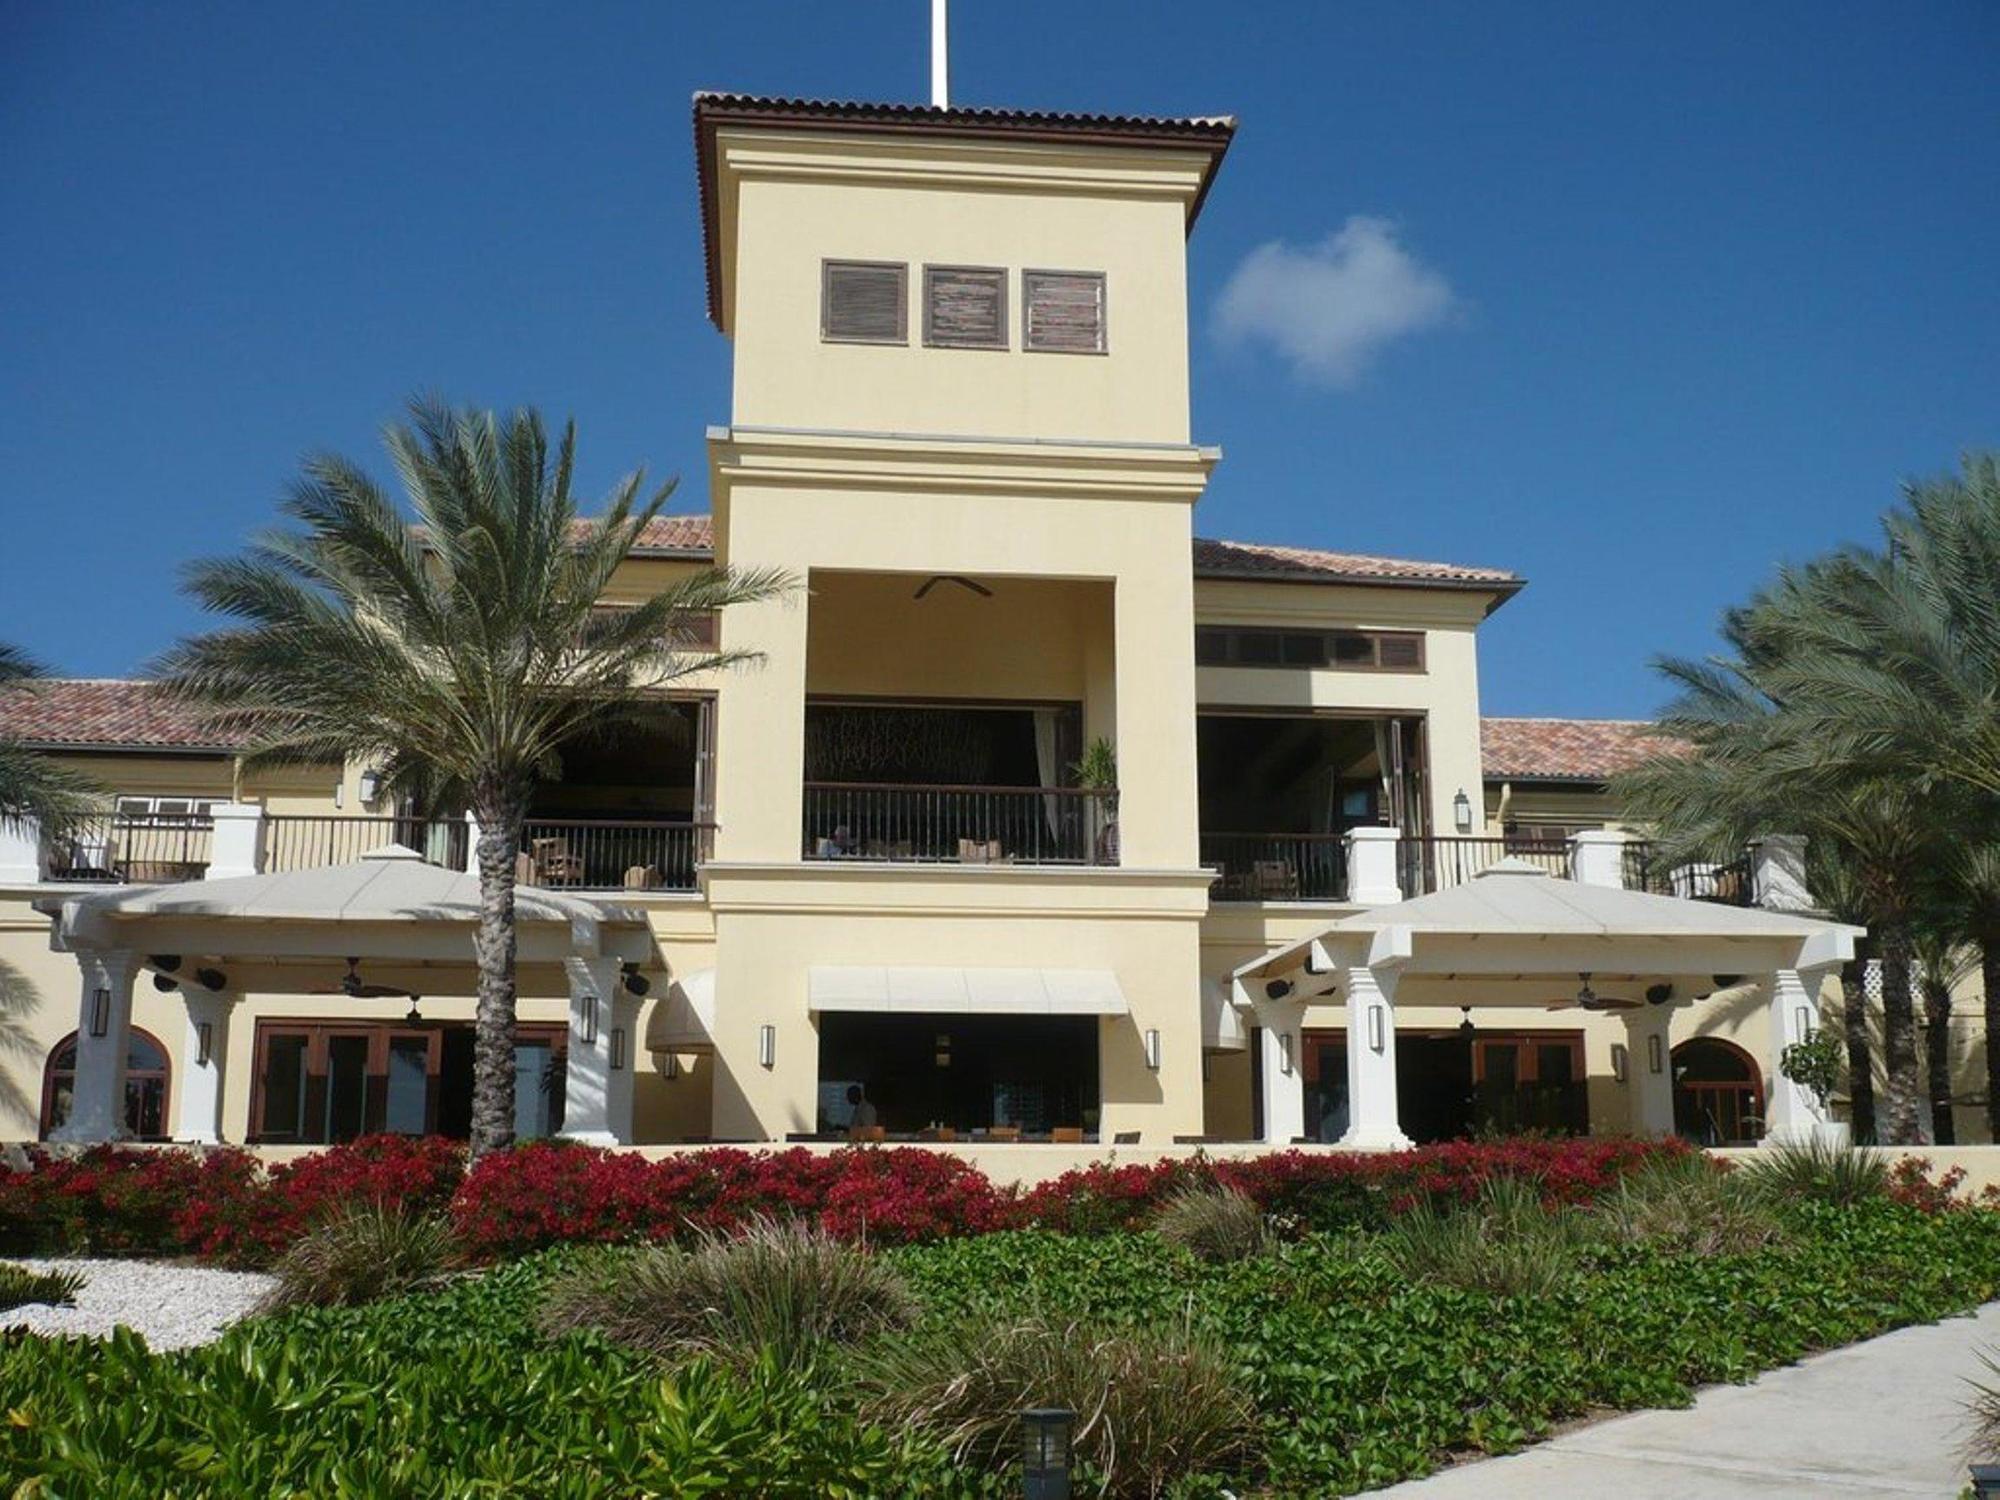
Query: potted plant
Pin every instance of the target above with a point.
(1097, 773)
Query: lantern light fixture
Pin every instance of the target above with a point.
(1461, 812)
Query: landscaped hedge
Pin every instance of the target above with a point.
(221, 1205)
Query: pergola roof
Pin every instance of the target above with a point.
(1516, 900)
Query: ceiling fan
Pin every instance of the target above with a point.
(1587, 998)
(355, 988)
(958, 578)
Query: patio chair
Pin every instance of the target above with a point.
(867, 1132)
(555, 863)
(1066, 1135)
(1276, 879)
(979, 851)
(1004, 1133)
(644, 878)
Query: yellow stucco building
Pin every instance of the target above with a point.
(1039, 815)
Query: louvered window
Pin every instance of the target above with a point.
(864, 302)
(965, 307)
(1063, 311)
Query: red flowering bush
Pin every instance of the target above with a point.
(115, 1200)
(1106, 1196)
(1911, 1183)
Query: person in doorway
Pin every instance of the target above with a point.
(861, 1112)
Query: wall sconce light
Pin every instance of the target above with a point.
(1285, 1053)
(1153, 1050)
(669, 1064)
(1802, 1023)
(370, 784)
(1655, 1054)
(767, 1046)
(589, 1020)
(100, 1012)
(204, 1051)
(1207, 1067)
(1461, 812)
(1377, 1033)
(617, 1049)
(1621, 1061)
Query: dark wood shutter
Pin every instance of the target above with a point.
(965, 307)
(864, 302)
(1063, 311)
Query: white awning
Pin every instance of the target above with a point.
(1017, 992)
(684, 1019)
(1222, 1028)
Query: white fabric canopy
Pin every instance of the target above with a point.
(1222, 1028)
(684, 1019)
(972, 991)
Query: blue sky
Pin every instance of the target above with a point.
(1634, 300)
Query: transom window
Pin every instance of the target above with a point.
(1342, 650)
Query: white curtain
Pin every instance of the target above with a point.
(1045, 764)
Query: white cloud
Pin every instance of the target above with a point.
(1329, 309)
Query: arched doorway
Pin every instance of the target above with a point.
(146, 1071)
(1718, 1093)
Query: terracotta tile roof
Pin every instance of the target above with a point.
(1254, 560)
(86, 713)
(693, 535)
(1567, 749)
(712, 109)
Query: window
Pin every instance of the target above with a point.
(319, 1082)
(1343, 650)
(864, 302)
(965, 307)
(1062, 312)
(146, 1073)
(175, 810)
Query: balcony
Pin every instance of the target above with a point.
(1433, 864)
(1732, 883)
(311, 842)
(987, 825)
(1277, 866)
(608, 855)
(134, 849)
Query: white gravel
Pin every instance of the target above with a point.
(171, 1307)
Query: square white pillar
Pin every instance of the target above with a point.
(103, 1042)
(236, 844)
(1372, 877)
(198, 1085)
(1791, 1113)
(20, 851)
(597, 1081)
(1597, 857)
(1373, 1120)
(1649, 1069)
(1281, 1064)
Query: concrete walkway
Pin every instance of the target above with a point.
(1882, 1418)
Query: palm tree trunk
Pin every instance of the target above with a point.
(500, 817)
(1900, 1121)
(1989, 974)
(1937, 1058)
(1860, 1055)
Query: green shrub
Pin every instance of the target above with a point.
(1152, 1405)
(1213, 1222)
(1815, 1171)
(361, 1254)
(1504, 1242)
(21, 1285)
(781, 1288)
(1688, 1205)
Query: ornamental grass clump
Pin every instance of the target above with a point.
(363, 1253)
(1213, 1223)
(1815, 1171)
(1152, 1405)
(22, 1285)
(1504, 1243)
(1688, 1205)
(778, 1289)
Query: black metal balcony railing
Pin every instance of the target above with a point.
(1728, 884)
(311, 842)
(1277, 866)
(960, 824)
(1433, 864)
(609, 855)
(135, 848)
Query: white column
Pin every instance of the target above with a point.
(597, 1096)
(237, 843)
(1649, 1069)
(1597, 857)
(198, 1085)
(1791, 1113)
(1373, 1121)
(20, 851)
(1372, 878)
(1281, 1062)
(1778, 873)
(103, 1039)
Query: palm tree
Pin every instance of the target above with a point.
(462, 652)
(32, 786)
(1967, 921)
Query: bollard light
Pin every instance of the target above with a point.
(1045, 1435)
